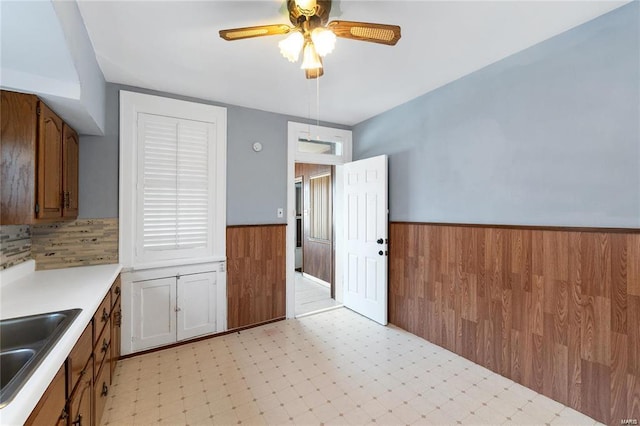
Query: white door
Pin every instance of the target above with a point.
(153, 312)
(365, 234)
(196, 305)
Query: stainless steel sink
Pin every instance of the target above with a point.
(24, 343)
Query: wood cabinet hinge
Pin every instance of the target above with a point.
(38, 110)
(37, 208)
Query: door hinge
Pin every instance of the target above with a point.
(37, 208)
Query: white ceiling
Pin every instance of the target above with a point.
(173, 46)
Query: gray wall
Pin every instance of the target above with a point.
(548, 136)
(256, 182)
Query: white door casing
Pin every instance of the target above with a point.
(299, 132)
(365, 237)
(196, 305)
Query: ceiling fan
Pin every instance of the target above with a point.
(312, 35)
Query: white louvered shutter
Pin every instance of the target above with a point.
(175, 189)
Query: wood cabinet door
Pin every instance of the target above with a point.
(116, 326)
(19, 129)
(50, 409)
(49, 161)
(100, 393)
(78, 358)
(70, 154)
(80, 401)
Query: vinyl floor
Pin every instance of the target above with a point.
(332, 368)
(311, 296)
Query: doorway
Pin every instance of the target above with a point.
(309, 144)
(360, 227)
(314, 277)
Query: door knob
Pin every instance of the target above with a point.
(380, 252)
(380, 241)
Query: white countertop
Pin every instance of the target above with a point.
(46, 291)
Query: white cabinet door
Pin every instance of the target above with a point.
(153, 312)
(196, 305)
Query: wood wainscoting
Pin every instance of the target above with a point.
(256, 274)
(555, 309)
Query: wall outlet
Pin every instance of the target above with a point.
(280, 212)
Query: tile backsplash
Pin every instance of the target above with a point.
(15, 245)
(78, 243)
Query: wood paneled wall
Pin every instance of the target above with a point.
(556, 310)
(317, 256)
(256, 274)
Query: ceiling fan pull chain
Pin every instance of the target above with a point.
(318, 102)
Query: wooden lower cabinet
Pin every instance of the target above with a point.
(116, 326)
(50, 410)
(78, 393)
(80, 401)
(101, 391)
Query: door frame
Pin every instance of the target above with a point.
(295, 132)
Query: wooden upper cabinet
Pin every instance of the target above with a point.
(39, 163)
(49, 160)
(17, 148)
(70, 155)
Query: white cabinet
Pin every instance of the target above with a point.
(154, 313)
(168, 305)
(196, 311)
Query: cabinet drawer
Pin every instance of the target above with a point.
(101, 391)
(78, 358)
(101, 317)
(102, 350)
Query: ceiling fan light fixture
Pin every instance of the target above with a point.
(291, 46)
(306, 7)
(310, 58)
(324, 40)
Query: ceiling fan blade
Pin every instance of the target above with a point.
(366, 31)
(257, 31)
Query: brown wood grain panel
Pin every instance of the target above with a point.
(619, 274)
(633, 274)
(256, 274)
(49, 182)
(633, 334)
(633, 397)
(317, 257)
(17, 148)
(618, 378)
(596, 390)
(554, 309)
